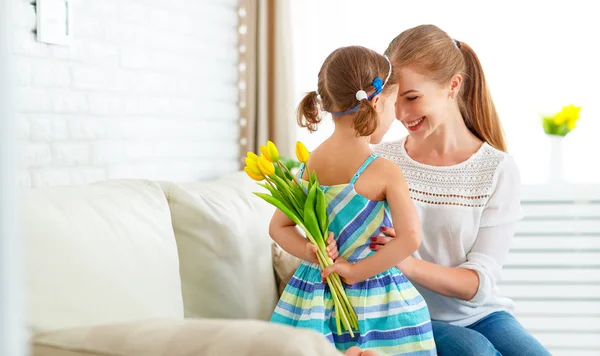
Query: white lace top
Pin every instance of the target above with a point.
(468, 214)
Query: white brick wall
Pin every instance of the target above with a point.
(147, 90)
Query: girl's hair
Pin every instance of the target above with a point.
(346, 71)
(436, 55)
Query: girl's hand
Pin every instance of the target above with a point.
(332, 251)
(345, 269)
(377, 242)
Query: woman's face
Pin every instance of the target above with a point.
(422, 104)
(385, 110)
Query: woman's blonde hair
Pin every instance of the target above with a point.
(436, 55)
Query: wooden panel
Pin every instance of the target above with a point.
(552, 291)
(553, 268)
(561, 211)
(531, 243)
(544, 307)
(564, 192)
(561, 323)
(573, 341)
(556, 227)
(550, 275)
(569, 259)
(570, 352)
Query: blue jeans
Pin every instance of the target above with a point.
(497, 334)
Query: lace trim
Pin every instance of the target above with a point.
(450, 195)
(448, 203)
(468, 184)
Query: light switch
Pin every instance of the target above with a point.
(54, 22)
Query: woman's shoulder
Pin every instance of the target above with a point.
(503, 163)
(391, 150)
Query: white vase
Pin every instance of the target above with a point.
(555, 164)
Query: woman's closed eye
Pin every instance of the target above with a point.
(412, 98)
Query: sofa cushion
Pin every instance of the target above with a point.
(99, 253)
(212, 337)
(285, 265)
(224, 248)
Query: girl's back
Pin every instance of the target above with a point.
(336, 162)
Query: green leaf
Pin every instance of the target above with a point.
(310, 218)
(281, 188)
(299, 208)
(321, 212)
(279, 205)
(547, 124)
(299, 193)
(274, 192)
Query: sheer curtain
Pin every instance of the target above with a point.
(537, 55)
(266, 83)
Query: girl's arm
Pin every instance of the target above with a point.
(284, 231)
(406, 219)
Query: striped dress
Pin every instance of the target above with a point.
(393, 318)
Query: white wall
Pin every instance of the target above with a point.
(13, 334)
(147, 90)
(538, 55)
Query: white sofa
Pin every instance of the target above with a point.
(132, 267)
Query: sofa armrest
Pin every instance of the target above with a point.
(160, 337)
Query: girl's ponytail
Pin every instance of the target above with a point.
(308, 112)
(365, 119)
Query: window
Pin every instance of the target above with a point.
(537, 57)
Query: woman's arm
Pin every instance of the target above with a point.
(479, 273)
(404, 216)
(473, 280)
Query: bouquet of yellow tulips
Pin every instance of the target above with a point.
(304, 205)
(563, 122)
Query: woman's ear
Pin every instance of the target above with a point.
(455, 84)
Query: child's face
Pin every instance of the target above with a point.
(385, 107)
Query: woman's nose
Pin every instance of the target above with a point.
(400, 112)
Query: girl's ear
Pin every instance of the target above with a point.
(374, 101)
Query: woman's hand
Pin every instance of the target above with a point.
(377, 242)
(332, 250)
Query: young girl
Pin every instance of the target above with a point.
(363, 193)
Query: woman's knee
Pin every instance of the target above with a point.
(457, 340)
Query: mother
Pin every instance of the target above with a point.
(466, 189)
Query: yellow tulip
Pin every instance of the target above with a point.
(266, 167)
(252, 165)
(252, 156)
(567, 114)
(256, 177)
(571, 124)
(265, 152)
(273, 151)
(302, 152)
